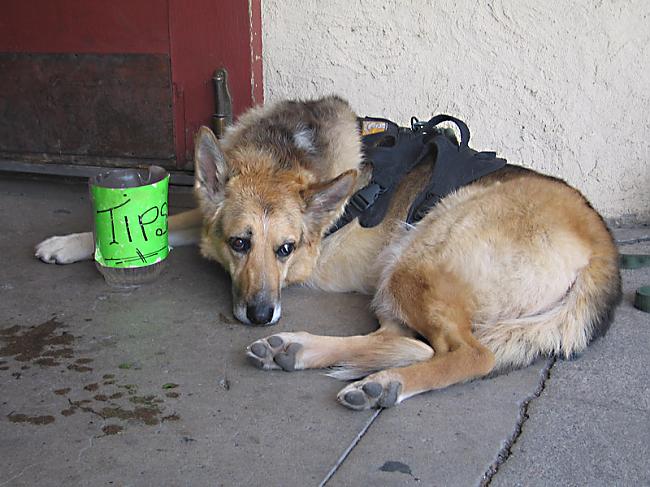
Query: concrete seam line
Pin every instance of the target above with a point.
(349, 449)
(506, 449)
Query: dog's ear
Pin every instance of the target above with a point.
(211, 169)
(325, 201)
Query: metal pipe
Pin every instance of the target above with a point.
(222, 116)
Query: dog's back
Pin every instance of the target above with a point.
(320, 136)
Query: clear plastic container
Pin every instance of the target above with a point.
(124, 201)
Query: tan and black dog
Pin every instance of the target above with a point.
(510, 267)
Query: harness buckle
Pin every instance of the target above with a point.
(416, 125)
(365, 197)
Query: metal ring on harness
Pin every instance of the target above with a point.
(416, 126)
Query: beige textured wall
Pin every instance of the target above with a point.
(559, 86)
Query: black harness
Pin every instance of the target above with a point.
(394, 151)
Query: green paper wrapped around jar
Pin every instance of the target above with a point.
(130, 211)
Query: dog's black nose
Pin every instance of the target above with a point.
(260, 314)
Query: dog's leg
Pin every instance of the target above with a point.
(433, 304)
(354, 356)
(66, 249)
(184, 229)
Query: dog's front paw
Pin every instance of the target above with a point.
(65, 249)
(275, 352)
(375, 391)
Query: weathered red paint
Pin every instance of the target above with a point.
(198, 36)
(85, 26)
(210, 35)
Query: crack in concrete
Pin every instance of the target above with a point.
(506, 449)
(85, 448)
(350, 447)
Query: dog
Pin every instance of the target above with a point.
(513, 266)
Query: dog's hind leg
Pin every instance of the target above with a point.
(433, 304)
(352, 357)
(184, 229)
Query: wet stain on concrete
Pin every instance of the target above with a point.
(148, 400)
(46, 362)
(47, 345)
(24, 418)
(131, 389)
(81, 405)
(36, 342)
(394, 466)
(79, 368)
(59, 353)
(112, 429)
(143, 409)
(147, 415)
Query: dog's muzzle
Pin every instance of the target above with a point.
(258, 314)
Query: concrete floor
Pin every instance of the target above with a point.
(151, 387)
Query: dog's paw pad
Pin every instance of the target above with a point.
(274, 341)
(273, 353)
(355, 398)
(371, 394)
(287, 359)
(256, 361)
(391, 394)
(373, 389)
(259, 350)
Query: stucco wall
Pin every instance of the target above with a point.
(562, 87)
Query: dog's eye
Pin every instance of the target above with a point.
(285, 249)
(241, 245)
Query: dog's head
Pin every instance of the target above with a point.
(262, 221)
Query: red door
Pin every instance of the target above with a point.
(121, 83)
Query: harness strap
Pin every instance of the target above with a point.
(394, 151)
(455, 166)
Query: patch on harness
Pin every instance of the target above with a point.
(369, 127)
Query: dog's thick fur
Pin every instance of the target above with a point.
(513, 266)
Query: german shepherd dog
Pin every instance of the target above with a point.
(508, 268)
